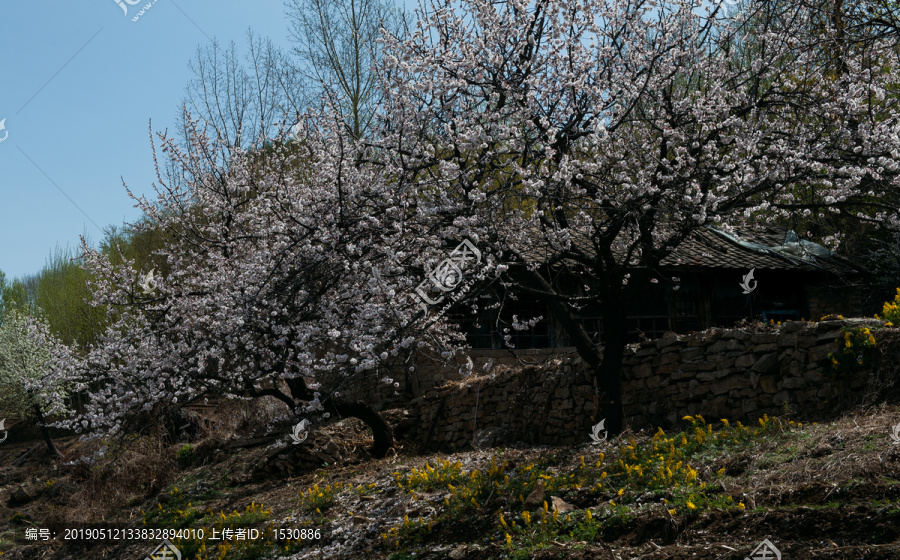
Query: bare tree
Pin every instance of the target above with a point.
(243, 98)
(337, 44)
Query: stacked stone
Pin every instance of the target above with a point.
(739, 374)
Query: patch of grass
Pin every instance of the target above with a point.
(402, 556)
(530, 533)
(184, 456)
(443, 475)
(211, 544)
(779, 456)
(178, 512)
(366, 490)
(318, 499)
(833, 504)
(662, 467)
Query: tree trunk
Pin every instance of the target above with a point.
(51, 447)
(382, 432)
(609, 374)
(607, 367)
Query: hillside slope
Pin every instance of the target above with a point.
(713, 490)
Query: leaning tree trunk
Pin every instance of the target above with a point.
(382, 433)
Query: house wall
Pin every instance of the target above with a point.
(737, 374)
(823, 300)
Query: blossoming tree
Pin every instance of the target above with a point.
(284, 273)
(26, 351)
(596, 135)
(590, 135)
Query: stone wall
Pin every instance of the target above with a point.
(739, 374)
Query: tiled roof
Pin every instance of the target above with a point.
(713, 248)
(707, 247)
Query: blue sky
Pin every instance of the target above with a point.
(80, 83)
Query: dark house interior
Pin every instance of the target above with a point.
(699, 286)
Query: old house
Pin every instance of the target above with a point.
(714, 278)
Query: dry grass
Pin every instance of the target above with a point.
(788, 476)
(851, 450)
(120, 480)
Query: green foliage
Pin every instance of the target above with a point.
(137, 244)
(179, 513)
(857, 344)
(319, 499)
(13, 296)
(366, 490)
(545, 528)
(401, 556)
(444, 475)
(60, 294)
(184, 456)
(663, 469)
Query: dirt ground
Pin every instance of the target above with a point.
(829, 491)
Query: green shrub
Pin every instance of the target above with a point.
(856, 349)
(319, 499)
(184, 456)
(891, 311)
